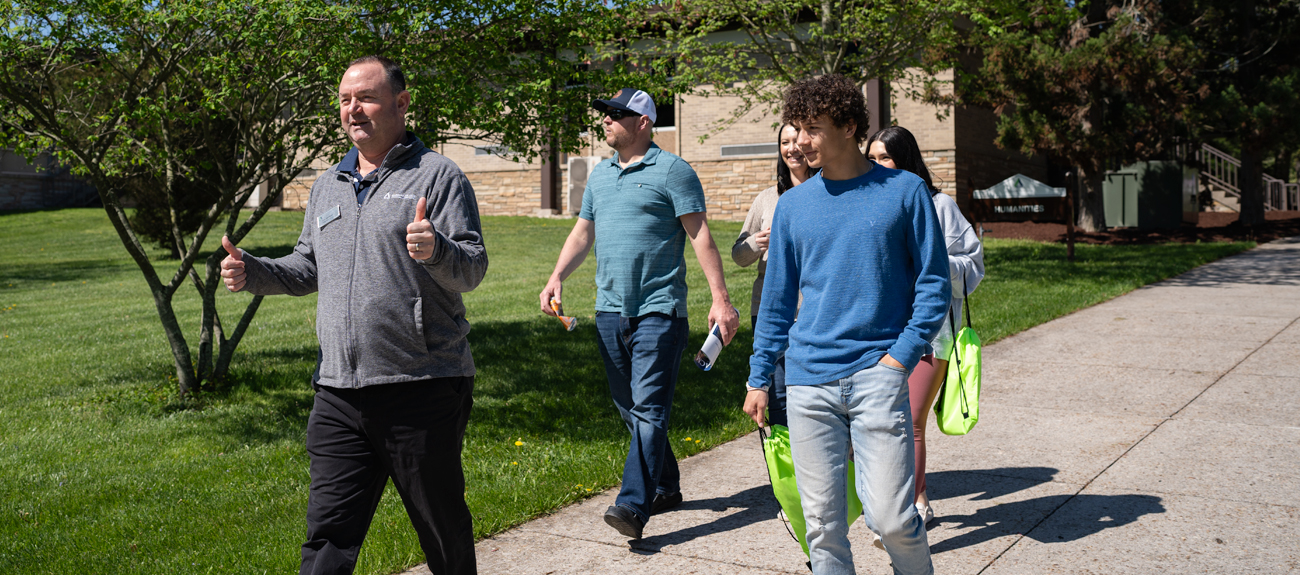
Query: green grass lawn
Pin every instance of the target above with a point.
(102, 471)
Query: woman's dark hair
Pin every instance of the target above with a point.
(901, 146)
(783, 179)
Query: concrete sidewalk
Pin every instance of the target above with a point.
(1158, 432)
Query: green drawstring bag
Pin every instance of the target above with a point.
(957, 408)
(780, 470)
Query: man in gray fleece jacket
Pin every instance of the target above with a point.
(391, 238)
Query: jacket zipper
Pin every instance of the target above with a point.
(352, 276)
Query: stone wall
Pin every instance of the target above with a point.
(295, 194)
(943, 169)
(731, 185)
(507, 193)
(729, 188)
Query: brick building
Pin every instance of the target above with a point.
(734, 165)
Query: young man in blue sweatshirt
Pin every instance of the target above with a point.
(863, 245)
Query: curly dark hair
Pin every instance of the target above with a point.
(831, 95)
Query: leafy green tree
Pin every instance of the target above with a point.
(521, 75)
(204, 99)
(1096, 84)
(194, 97)
(1250, 74)
(752, 49)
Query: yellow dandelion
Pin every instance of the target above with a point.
(518, 443)
(514, 463)
(588, 489)
(687, 439)
(697, 441)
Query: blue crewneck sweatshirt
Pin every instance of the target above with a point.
(869, 258)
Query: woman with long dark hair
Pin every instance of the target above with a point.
(895, 148)
(751, 246)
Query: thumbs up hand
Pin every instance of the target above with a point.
(419, 233)
(232, 267)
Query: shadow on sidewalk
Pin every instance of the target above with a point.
(756, 504)
(1085, 515)
(989, 483)
(1257, 267)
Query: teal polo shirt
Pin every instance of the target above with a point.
(640, 267)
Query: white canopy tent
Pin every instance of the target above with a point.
(1017, 187)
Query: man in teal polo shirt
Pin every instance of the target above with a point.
(639, 208)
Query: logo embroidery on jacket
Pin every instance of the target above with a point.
(392, 196)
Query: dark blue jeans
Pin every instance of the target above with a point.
(775, 392)
(642, 357)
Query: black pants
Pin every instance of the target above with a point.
(358, 438)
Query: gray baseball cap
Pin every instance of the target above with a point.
(630, 100)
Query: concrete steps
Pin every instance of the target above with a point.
(1224, 201)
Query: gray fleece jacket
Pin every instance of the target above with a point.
(383, 317)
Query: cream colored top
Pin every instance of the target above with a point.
(746, 251)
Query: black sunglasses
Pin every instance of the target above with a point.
(616, 114)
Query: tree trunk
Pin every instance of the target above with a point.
(210, 324)
(227, 351)
(185, 377)
(1070, 196)
(1251, 182)
(1092, 208)
(162, 295)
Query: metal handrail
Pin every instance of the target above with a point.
(1221, 169)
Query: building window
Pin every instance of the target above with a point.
(750, 150)
(666, 111)
(501, 151)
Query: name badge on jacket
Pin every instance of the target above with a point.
(327, 217)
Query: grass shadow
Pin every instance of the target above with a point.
(266, 398)
(536, 379)
(67, 270)
(1023, 261)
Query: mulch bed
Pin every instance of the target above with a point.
(1213, 227)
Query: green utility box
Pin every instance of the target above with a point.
(1149, 196)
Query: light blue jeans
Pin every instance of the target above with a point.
(869, 413)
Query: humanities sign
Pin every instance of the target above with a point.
(1019, 198)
